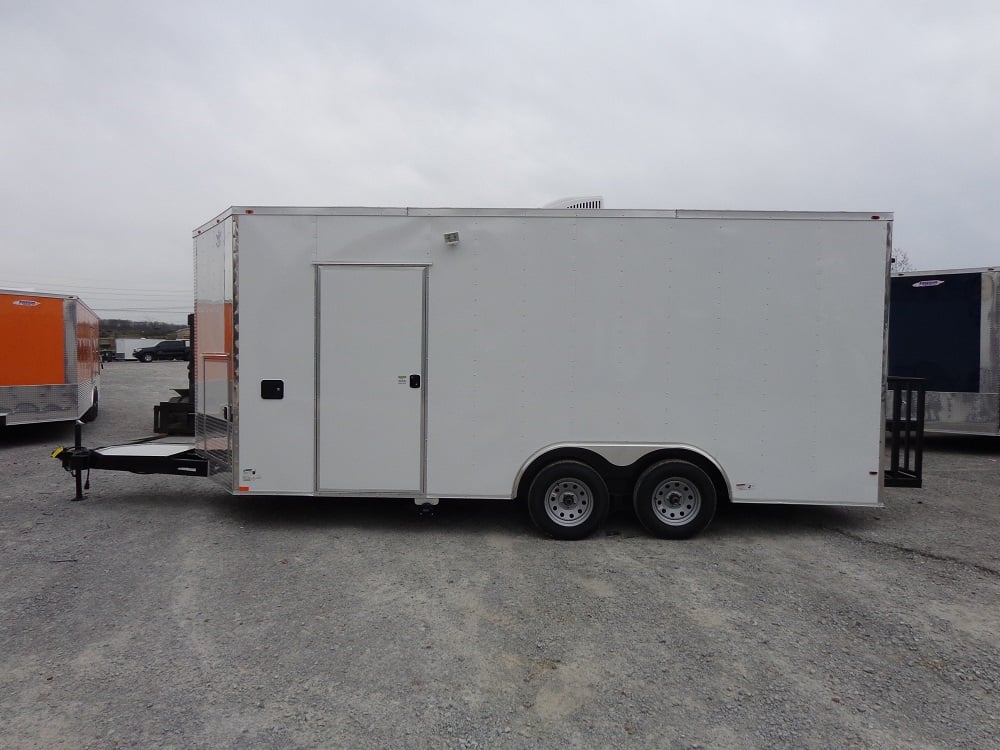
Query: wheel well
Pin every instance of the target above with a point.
(692, 457)
(621, 479)
(603, 467)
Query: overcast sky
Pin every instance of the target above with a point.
(127, 124)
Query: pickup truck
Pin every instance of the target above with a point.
(164, 350)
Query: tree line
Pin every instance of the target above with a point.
(117, 328)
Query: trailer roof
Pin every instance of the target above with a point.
(54, 295)
(943, 272)
(580, 213)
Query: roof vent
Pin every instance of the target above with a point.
(584, 201)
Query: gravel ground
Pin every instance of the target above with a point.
(163, 613)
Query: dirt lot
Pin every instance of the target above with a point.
(162, 613)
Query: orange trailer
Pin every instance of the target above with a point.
(50, 361)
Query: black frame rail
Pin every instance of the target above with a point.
(905, 427)
(77, 459)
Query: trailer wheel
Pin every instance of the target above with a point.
(674, 499)
(146, 357)
(91, 414)
(568, 500)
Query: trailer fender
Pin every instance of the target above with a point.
(621, 463)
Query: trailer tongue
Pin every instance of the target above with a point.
(146, 456)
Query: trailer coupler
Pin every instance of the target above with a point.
(141, 457)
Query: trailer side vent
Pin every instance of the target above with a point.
(588, 201)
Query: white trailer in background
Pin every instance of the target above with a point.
(125, 347)
(564, 356)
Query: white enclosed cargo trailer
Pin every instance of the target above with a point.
(568, 357)
(672, 356)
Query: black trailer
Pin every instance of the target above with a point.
(944, 327)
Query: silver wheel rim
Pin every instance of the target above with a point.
(568, 502)
(676, 501)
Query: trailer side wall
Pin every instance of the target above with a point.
(215, 393)
(758, 340)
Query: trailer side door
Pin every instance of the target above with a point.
(370, 405)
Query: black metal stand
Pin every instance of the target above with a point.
(77, 445)
(906, 433)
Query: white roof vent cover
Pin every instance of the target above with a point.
(580, 201)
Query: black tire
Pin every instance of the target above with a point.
(91, 414)
(674, 499)
(568, 500)
(147, 357)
